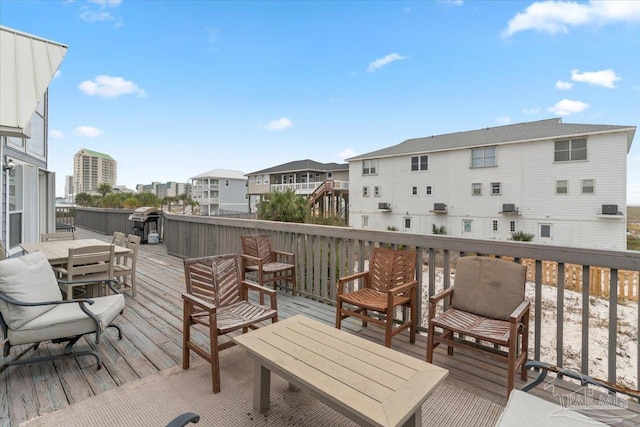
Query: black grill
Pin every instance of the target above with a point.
(146, 220)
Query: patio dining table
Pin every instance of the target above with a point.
(57, 251)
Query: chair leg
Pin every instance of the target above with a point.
(215, 359)
(525, 347)
(412, 328)
(430, 332)
(294, 285)
(511, 367)
(338, 313)
(388, 331)
(365, 313)
(186, 335)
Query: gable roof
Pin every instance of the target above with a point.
(520, 132)
(222, 173)
(27, 66)
(303, 166)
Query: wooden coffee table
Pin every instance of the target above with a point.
(366, 382)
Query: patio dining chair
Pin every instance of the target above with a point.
(124, 267)
(388, 285)
(58, 235)
(486, 307)
(90, 264)
(218, 298)
(269, 265)
(32, 311)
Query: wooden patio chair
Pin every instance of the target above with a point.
(58, 235)
(218, 298)
(269, 265)
(485, 304)
(89, 263)
(125, 266)
(389, 284)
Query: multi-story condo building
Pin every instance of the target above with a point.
(325, 184)
(90, 169)
(165, 189)
(27, 187)
(564, 183)
(69, 188)
(220, 191)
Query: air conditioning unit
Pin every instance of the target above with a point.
(385, 206)
(609, 209)
(508, 207)
(439, 207)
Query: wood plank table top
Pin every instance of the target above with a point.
(57, 251)
(365, 381)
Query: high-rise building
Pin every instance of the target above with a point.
(69, 188)
(90, 169)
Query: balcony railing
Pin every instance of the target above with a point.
(326, 253)
(307, 187)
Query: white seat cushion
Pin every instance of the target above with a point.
(28, 278)
(526, 410)
(67, 320)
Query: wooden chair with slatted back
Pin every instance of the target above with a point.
(124, 267)
(269, 265)
(58, 235)
(86, 267)
(389, 283)
(218, 298)
(486, 307)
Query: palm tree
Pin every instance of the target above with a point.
(104, 189)
(183, 199)
(284, 206)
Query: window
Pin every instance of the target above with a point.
(365, 191)
(495, 188)
(259, 180)
(265, 180)
(407, 223)
(476, 189)
(588, 186)
(226, 182)
(414, 191)
(569, 150)
(483, 157)
(252, 178)
(512, 226)
(495, 225)
(562, 186)
(329, 175)
(420, 163)
(369, 167)
(365, 220)
(376, 191)
(466, 226)
(429, 190)
(545, 231)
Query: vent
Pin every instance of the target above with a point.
(508, 207)
(385, 206)
(609, 209)
(439, 207)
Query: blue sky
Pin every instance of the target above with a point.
(172, 89)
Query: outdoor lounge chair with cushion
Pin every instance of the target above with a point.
(487, 304)
(389, 283)
(32, 310)
(270, 265)
(217, 298)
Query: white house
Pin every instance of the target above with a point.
(564, 183)
(27, 187)
(219, 191)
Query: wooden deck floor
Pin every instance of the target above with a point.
(152, 337)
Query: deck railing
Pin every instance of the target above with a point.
(307, 187)
(326, 253)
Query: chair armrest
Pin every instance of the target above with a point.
(351, 278)
(184, 419)
(519, 312)
(283, 253)
(403, 288)
(198, 302)
(272, 293)
(13, 301)
(252, 259)
(442, 295)
(584, 379)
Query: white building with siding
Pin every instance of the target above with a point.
(220, 191)
(564, 183)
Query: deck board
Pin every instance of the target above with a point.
(152, 341)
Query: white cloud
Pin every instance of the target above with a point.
(567, 107)
(453, 2)
(89, 15)
(563, 85)
(110, 87)
(381, 62)
(88, 131)
(531, 110)
(557, 16)
(107, 3)
(504, 120)
(56, 134)
(281, 123)
(605, 78)
(346, 153)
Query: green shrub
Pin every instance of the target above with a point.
(521, 236)
(438, 230)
